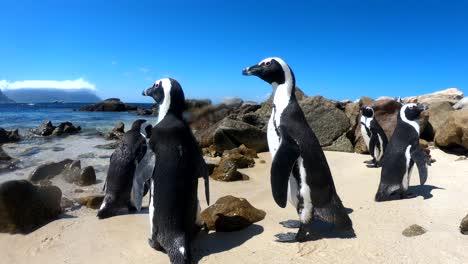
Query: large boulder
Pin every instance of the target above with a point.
(462, 104)
(230, 133)
(454, 132)
(109, 105)
(451, 95)
(437, 114)
(386, 113)
(326, 120)
(342, 144)
(49, 170)
(9, 136)
(230, 213)
(25, 207)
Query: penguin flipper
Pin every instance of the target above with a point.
(282, 165)
(143, 172)
(420, 158)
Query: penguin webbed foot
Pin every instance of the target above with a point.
(368, 161)
(155, 245)
(292, 224)
(286, 237)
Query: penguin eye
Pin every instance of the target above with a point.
(268, 63)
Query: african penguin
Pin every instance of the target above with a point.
(174, 206)
(299, 169)
(121, 173)
(401, 153)
(374, 136)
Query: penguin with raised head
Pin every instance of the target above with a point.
(402, 152)
(121, 173)
(174, 206)
(374, 136)
(299, 169)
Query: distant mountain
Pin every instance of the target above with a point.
(4, 99)
(52, 95)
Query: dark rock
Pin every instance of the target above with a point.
(49, 170)
(454, 132)
(45, 129)
(109, 105)
(57, 149)
(9, 136)
(242, 150)
(25, 207)
(112, 145)
(88, 176)
(241, 161)
(326, 120)
(414, 230)
(117, 132)
(72, 172)
(93, 201)
(144, 112)
(211, 152)
(89, 155)
(230, 133)
(464, 225)
(227, 171)
(230, 213)
(7, 163)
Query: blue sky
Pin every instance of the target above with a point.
(339, 49)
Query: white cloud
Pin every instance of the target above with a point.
(49, 84)
(144, 70)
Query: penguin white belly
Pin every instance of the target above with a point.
(293, 191)
(365, 136)
(379, 150)
(307, 208)
(151, 207)
(406, 176)
(272, 137)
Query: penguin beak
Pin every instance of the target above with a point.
(147, 92)
(253, 70)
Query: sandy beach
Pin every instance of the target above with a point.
(79, 237)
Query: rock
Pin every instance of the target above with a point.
(9, 136)
(242, 150)
(462, 104)
(227, 171)
(194, 104)
(57, 149)
(342, 144)
(454, 132)
(72, 172)
(464, 225)
(7, 163)
(67, 204)
(93, 201)
(451, 95)
(241, 161)
(117, 132)
(144, 112)
(414, 230)
(45, 129)
(353, 112)
(436, 116)
(88, 176)
(89, 155)
(109, 105)
(386, 113)
(49, 170)
(230, 213)
(48, 129)
(319, 112)
(25, 207)
(230, 133)
(211, 152)
(112, 145)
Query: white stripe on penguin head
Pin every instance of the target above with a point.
(403, 117)
(166, 103)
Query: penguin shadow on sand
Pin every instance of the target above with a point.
(206, 244)
(318, 229)
(424, 191)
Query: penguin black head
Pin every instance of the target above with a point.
(411, 111)
(169, 95)
(272, 70)
(137, 124)
(367, 111)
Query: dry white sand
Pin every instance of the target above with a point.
(82, 238)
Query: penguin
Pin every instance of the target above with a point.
(299, 168)
(121, 173)
(174, 211)
(402, 152)
(374, 136)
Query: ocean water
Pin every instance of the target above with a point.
(33, 151)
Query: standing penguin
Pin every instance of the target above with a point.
(174, 206)
(374, 136)
(402, 152)
(299, 169)
(121, 173)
